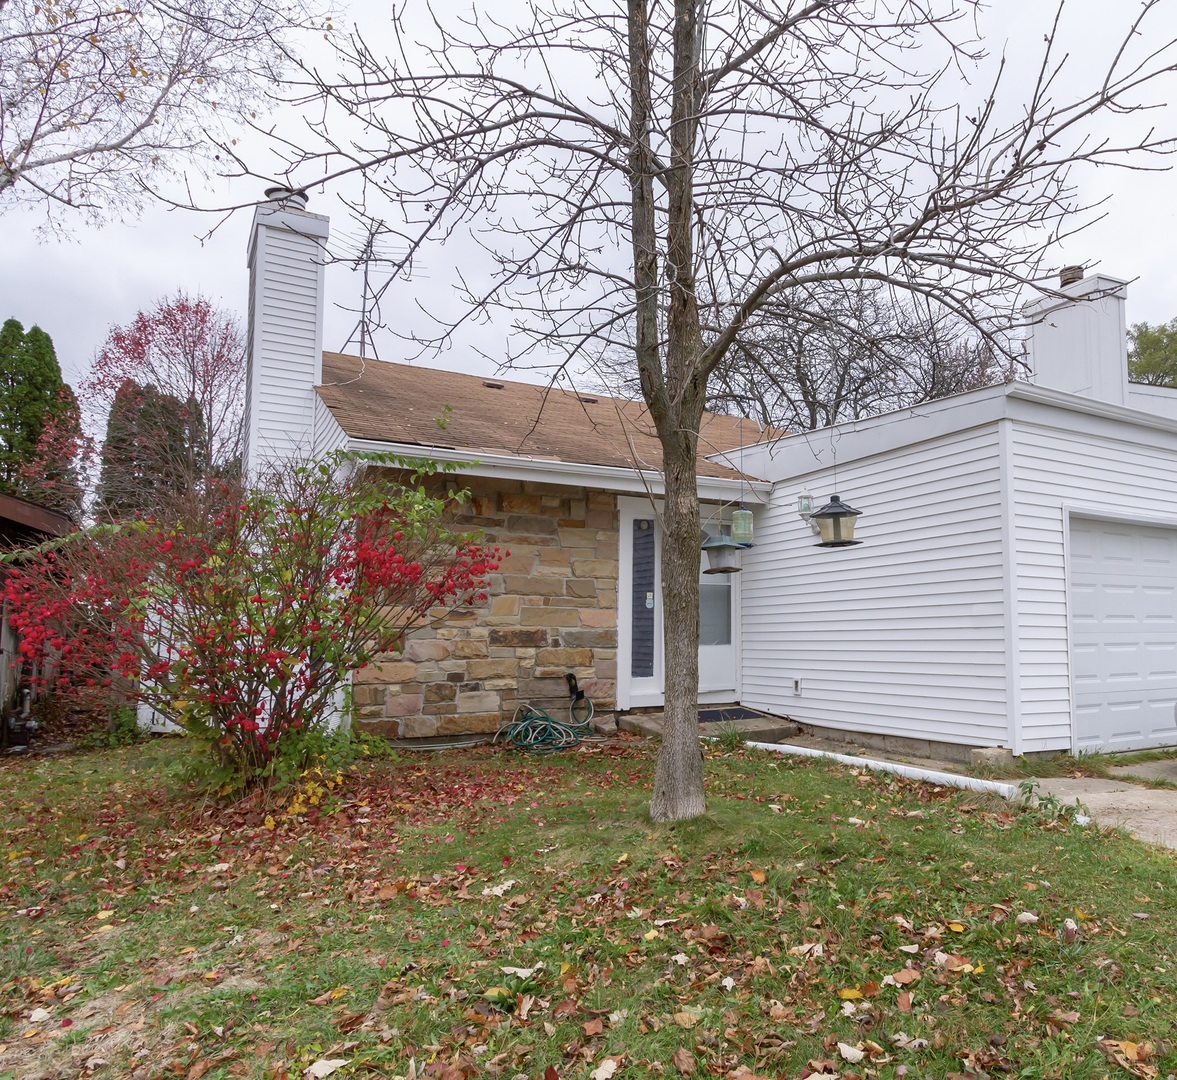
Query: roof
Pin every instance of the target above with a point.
(381, 401)
(22, 522)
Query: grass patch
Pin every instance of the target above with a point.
(494, 915)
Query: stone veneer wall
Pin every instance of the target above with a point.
(552, 609)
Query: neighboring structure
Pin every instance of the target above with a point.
(1016, 587)
(22, 524)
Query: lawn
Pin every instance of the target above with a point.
(483, 913)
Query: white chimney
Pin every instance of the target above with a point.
(287, 253)
(1078, 342)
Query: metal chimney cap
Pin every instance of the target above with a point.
(287, 198)
(1068, 275)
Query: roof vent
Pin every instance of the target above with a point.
(493, 385)
(1068, 275)
(287, 198)
(586, 400)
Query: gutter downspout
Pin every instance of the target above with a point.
(910, 772)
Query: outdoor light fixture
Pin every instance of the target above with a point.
(721, 555)
(742, 527)
(835, 523)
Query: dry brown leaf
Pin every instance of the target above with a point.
(683, 1060)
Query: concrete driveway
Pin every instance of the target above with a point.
(1149, 814)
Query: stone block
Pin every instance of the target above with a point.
(602, 500)
(388, 729)
(991, 756)
(595, 568)
(469, 724)
(418, 649)
(435, 693)
(537, 689)
(482, 505)
(468, 649)
(531, 525)
(589, 639)
(518, 637)
(504, 605)
(600, 690)
(419, 727)
(605, 669)
(394, 672)
(510, 503)
(403, 704)
(549, 616)
(599, 519)
(564, 658)
(501, 684)
(607, 598)
(481, 701)
(442, 708)
(520, 562)
(571, 522)
(534, 586)
(578, 538)
(598, 617)
(586, 588)
(369, 694)
(369, 712)
(491, 669)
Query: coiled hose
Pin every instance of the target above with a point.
(538, 732)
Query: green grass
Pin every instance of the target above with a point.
(165, 935)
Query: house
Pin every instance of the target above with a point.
(22, 523)
(1016, 585)
(562, 480)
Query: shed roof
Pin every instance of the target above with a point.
(377, 400)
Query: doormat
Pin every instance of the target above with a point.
(727, 713)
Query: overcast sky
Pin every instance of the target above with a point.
(78, 287)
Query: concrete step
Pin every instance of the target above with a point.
(760, 728)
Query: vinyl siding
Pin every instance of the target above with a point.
(328, 435)
(904, 635)
(1059, 462)
(285, 359)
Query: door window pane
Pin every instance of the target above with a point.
(715, 609)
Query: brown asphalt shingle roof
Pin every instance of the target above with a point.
(373, 399)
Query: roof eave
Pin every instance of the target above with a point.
(571, 474)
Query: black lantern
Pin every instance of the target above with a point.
(835, 522)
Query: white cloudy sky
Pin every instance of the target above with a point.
(77, 288)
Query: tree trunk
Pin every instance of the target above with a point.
(678, 782)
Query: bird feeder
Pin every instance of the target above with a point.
(835, 523)
(721, 555)
(742, 527)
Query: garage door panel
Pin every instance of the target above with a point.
(1123, 594)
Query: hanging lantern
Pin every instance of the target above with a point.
(835, 522)
(721, 555)
(742, 527)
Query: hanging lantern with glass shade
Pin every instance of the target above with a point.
(721, 555)
(742, 527)
(835, 522)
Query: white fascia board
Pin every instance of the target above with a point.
(797, 455)
(546, 471)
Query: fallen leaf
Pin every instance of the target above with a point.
(850, 994)
(593, 1027)
(605, 1070)
(850, 1053)
(956, 927)
(324, 1067)
(683, 1060)
(685, 1019)
(759, 877)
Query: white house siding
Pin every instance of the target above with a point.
(905, 634)
(1065, 462)
(285, 344)
(328, 435)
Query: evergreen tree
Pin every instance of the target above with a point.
(30, 385)
(147, 453)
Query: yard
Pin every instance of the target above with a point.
(482, 913)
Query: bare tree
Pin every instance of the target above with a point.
(656, 175)
(852, 352)
(98, 98)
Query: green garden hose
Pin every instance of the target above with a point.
(537, 732)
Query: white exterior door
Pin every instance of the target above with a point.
(1123, 605)
(640, 668)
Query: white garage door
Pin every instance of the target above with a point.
(1123, 635)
